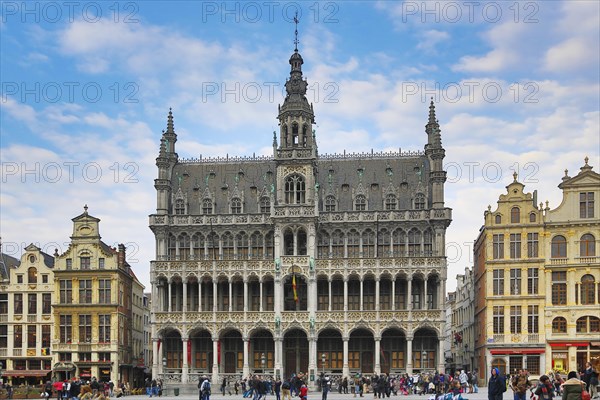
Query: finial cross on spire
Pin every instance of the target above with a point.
(296, 21)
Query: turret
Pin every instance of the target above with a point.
(165, 161)
(436, 153)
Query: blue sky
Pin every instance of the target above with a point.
(86, 87)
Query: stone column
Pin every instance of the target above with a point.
(278, 356)
(184, 295)
(361, 293)
(441, 359)
(245, 294)
(230, 296)
(345, 293)
(260, 300)
(329, 281)
(215, 367)
(377, 293)
(346, 368)
(184, 370)
(215, 298)
(394, 294)
(246, 366)
(155, 360)
(409, 301)
(409, 356)
(377, 355)
(169, 299)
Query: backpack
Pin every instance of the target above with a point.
(503, 383)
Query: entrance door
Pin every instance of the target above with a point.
(230, 359)
(290, 363)
(295, 348)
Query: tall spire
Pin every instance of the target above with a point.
(432, 119)
(296, 21)
(170, 127)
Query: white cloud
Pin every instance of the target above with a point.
(431, 38)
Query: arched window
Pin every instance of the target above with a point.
(353, 244)
(285, 136)
(532, 217)
(414, 243)
(559, 325)
(588, 324)
(198, 245)
(587, 246)
(207, 206)
(295, 189)
(588, 284)
(559, 247)
(498, 219)
(256, 245)
(302, 242)
(515, 215)
(360, 203)
(241, 245)
(184, 246)
(265, 205)
(383, 243)
(337, 244)
(391, 202)
(500, 364)
(171, 246)
(236, 205)
(323, 244)
(420, 202)
(368, 243)
(269, 240)
(32, 275)
(179, 207)
(227, 245)
(288, 242)
(428, 243)
(330, 203)
(294, 134)
(399, 243)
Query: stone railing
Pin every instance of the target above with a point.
(209, 219)
(383, 216)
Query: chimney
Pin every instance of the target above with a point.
(121, 256)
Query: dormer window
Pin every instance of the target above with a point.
(420, 202)
(207, 206)
(265, 205)
(515, 215)
(84, 262)
(330, 203)
(360, 203)
(391, 202)
(32, 275)
(236, 205)
(498, 219)
(179, 207)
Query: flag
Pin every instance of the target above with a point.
(294, 288)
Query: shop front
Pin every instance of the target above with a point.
(63, 370)
(570, 356)
(26, 377)
(511, 360)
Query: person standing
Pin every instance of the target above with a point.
(325, 387)
(520, 384)
(475, 381)
(496, 385)
(277, 388)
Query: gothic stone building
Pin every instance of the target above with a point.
(298, 262)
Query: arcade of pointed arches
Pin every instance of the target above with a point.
(229, 351)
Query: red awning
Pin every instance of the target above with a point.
(517, 351)
(16, 372)
(569, 344)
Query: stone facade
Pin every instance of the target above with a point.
(26, 295)
(299, 262)
(536, 279)
(462, 330)
(93, 308)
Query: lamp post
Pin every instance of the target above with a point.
(423, 359)
(263, 361)
(323, 357)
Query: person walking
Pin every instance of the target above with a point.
(496, 385)
(475, 381)
(544, 390)
(573, 387)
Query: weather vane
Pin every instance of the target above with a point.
(296, 31)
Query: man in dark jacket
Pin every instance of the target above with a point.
(496, 385)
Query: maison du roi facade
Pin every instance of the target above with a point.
(82, 313)
(537, 279)
(299, 262)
